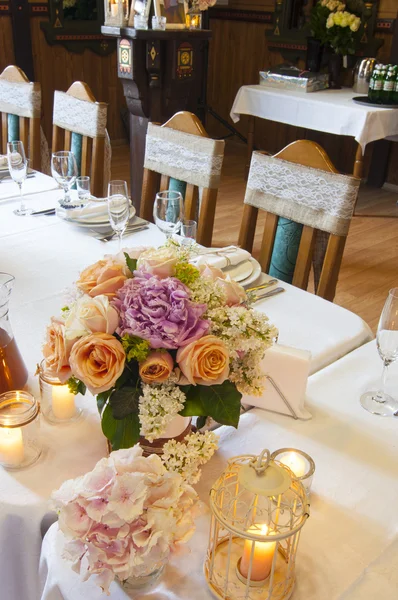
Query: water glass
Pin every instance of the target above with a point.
(168, 212)
(64, 171)
(83, 188)
(378, 402)
(18, 167)
(140, 22)
(118, 207)
(188, 231)
(158, 23)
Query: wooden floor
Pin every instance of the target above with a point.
(370, 263)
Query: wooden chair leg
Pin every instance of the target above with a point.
(206, 217)
(35, 144)
(191, 201)
(250, 144)
(150, 186)
(267, 243)
(4, 133)
(331, 267)
(248, 227)
(97, 167)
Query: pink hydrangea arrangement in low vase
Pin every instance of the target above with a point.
(125, 518)
(157, 340)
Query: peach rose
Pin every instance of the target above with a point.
(91, 315)
(56, 350)
(234, 293)
(160, 262)
(212, 273)
(104, 277)
(204, 362)
(156, 368)
(97, 360)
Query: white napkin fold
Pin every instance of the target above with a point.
(92, 211)
(222, 257)
(3, 161)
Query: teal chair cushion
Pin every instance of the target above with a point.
(285, 251)
(76, 144)
(13, 128)
(175, 185)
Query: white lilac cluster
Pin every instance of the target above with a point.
(247, 335)
(206, 291)
(186, 457)
(158, 405)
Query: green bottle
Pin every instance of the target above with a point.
(388, 86)
(371, 90)
(395, 94)
(378, 86)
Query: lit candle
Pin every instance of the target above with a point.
(63, 402)
(262, 556)
(114, 9)
(11, 446)
(296, 463)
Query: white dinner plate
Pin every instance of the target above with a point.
(239, 272)
(100, 225)
(252, 279)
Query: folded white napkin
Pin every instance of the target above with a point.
(3, 161)
(222, 257)
(92, 211)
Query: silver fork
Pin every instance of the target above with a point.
(109, 237)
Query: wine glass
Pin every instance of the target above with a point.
(118, 207)
(168, 212)
(378, 402)
(18, 166)
(64, 171)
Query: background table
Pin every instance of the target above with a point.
(32, 185)
(330, 111)
(45, 255)
(349, 547)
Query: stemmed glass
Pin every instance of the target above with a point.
(168, 212)
(380, 403)
(64, 171)
(18, 166)
(118, 207)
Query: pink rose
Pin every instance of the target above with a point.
(104, 277)
(56, 350)
(204, 362)
(234, 293)
(160, 262)
(91, 315)
(157, 367)
(212, 273)
(97, 360)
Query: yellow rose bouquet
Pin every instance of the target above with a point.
(152, 337)
(335, 24)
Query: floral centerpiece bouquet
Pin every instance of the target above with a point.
(153, 337)
(125, 517)
(332, 24)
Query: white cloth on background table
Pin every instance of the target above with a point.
(330, 111)
(349, 546)
(46, 254)
(9, 190)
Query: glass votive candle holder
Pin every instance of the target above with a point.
(58, 403)
(299, 462)
(159, 23)
(140, 22)
(188, 231)
(20, 444)
(83, 188)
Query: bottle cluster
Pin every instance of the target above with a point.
(383, 86)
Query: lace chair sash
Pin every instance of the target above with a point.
(191, 158)
(21, 98)
(79, 116)
(306, 195)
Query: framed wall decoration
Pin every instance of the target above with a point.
(174, 10)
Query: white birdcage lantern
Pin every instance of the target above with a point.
(258, 508)
(116, 13)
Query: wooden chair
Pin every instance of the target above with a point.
(20, 108)
(182, 150)
(306, 154)
(79, 125)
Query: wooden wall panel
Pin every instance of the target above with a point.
(6, 43)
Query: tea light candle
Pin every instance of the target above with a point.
(295, 462)
(12, 451)
(299, 462)
(63, 402)
(262, 556)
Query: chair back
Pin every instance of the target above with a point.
(79, 125)
(181, 151)
(20, 108)
(300, 185)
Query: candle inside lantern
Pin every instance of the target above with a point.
(296, 463)
(114, 9)
(11, 446)
(262, 556)
(63, 402)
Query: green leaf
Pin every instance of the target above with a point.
(102, 398)
(124, 401)
(76, 386)
(200, 422)
(122, 433)
(221, 402)
(131, 262)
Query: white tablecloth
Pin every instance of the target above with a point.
(32, 185)
(331, 111)
(349, 547)
(45, 255)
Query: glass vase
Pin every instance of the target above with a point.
(58, 404)
(314, 55)
(335, 65)
(132, 584)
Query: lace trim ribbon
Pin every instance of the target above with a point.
(20, 98)
(306, 195)
(191, 158)
(79, 116)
